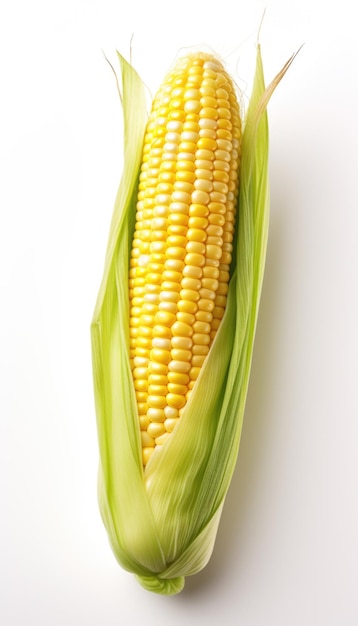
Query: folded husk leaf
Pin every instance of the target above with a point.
(162, 522)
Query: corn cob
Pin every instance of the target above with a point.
(161, 502)
(182, 245)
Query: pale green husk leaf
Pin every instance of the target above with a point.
(162, 523)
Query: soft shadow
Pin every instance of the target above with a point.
(237, 514)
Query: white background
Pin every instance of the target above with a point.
(287, 548)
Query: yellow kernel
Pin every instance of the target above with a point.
(201, 327)
(210, 283)
(168, 285)
(198, 222)
(178, 229)
(170, 423)
(192, 106)
(186, 176)
(175, 241)
(141, 396)
(161, 342)
(179, 207)
(190, 124)
(198, 210)
(210, 272)
(207, 90)
(185, 316)
(222, 93)
(157, 379)
(190, 136)
(174, 126)
(195, 234)
(195, 259)
(204, 156)
(178, 378)
(169, 296)
(214, 252)
(185, 166)
(200, 350)
(152, 288)
(206, 143)
(226, 258)
(220, 301)
(171, 275)
(193, 271)
(209, 112)
(169, 147)
(221, 165)
(142, 408)
(198, 360)
(168, 166)
(171, 412)
(157, 390)
(140, 385)
(196, 247)
(157, 402)
(224, 141)
(220, 187)
(187, 306)
(175, 400)
(175, 252)
(167, 176)
(192, 94)
(194, 372)
(202, 184)
(222, 290)
(155, 415)
(146, 454)
(206, 305)
(224, 134)
(191, 283)
(222, 154)
(174, 265)
(143, 422)
(180, 367)
(160, 355)
(208, 81)
(189, 294)
(147, 440)
(182, 343)
(180, 329)
(178, 219)
(224, 113)
(208, 101)
(140, 372)
(179, 195)
(200, 197)
(164, 318)
(155, 429)
(207, 293)
(177, 389)
(204, 173)
(181, 355)
(151, 297)
(158, 368)
(214, 230)
(204, 132)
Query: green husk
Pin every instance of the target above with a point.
(162, 522)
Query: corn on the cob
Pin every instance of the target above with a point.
(182, 245)
(162, 521)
